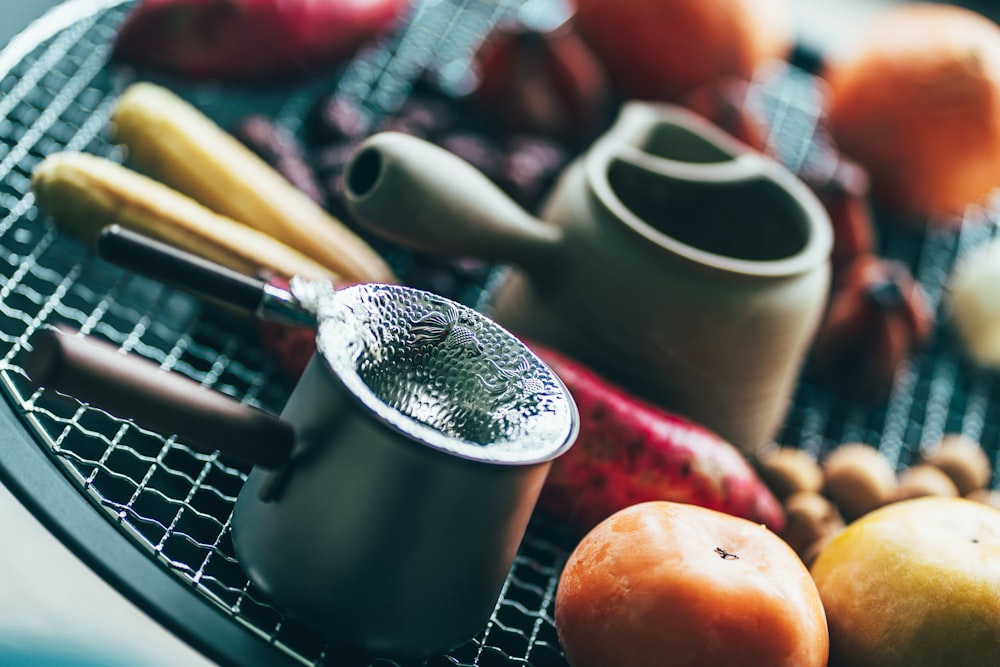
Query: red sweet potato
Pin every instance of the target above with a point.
(630, 451)
(242, 39)
(290, 347)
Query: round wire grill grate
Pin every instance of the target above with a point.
(174, 503)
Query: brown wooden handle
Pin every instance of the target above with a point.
(132, 387)
(176, 267)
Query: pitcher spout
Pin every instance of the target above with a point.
(417, 194)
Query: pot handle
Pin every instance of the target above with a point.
(178, 268)
(132, 387)
(417, 194)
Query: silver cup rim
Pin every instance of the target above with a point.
(559, 433)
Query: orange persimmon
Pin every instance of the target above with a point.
(664, 583)
(916, 101)
(664, 49)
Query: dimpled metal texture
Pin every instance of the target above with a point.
(445, 374)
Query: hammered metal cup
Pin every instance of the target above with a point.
(425, 432)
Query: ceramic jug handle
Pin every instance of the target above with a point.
(132, 387)
(422, 196)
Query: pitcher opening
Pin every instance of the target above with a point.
(753, 220)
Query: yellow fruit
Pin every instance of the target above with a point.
(915, 584)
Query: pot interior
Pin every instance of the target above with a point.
(678, 142)
(444, 374)
(749, 219)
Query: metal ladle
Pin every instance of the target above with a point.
(418, 439)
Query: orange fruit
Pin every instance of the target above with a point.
(664, 583)
(916, 101)
(663, 49)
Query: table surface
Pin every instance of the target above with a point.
(48, 593)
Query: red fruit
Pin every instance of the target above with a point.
(630, 451)
(542, 82)
(250, 38)
(289, 346)
(878, 315)
(674, 585)
(844, 194)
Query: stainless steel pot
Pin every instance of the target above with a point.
(387, 502)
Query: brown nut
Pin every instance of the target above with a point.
(809, 554)
(924, 479)
(789, 470)
(963, 460)
(809, 516)
(858, 478)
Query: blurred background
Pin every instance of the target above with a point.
(49, 593)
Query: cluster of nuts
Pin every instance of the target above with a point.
(821, 496)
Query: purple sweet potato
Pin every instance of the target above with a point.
(244, 39)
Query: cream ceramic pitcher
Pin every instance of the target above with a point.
(669, 257)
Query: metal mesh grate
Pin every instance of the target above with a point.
(175, 503)
(939, 391)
